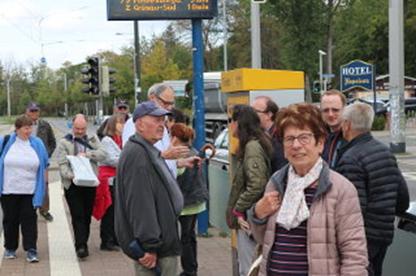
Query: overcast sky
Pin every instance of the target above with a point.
(69, 29)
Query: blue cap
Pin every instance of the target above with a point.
(149, 108)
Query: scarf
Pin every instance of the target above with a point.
(294, 209)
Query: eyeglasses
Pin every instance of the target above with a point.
(303, 139)
(261, 111)
(33, 110)
(164, 102)
(334, 110)
(122, 107)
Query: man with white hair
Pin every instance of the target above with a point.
(373, 169)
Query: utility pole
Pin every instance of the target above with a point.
(137, 89)
(255, 35)
(9, 111)
(225, 33)
(396, 71)
(66, 95)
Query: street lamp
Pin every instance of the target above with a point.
(321, 54)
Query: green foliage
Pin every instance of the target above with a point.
(183, 103)
(379, 122)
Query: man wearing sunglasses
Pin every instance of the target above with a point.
(121, 107)
(43, 130)
(332, 106)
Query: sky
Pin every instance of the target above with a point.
(70, 30)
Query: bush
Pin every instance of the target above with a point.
(379, 122)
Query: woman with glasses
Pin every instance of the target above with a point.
(309, 220)
(250, 177)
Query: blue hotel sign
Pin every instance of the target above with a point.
(357, 74)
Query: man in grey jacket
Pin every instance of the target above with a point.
(80, 199)
(148, 200)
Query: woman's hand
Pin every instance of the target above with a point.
(243, 224)
(267, 205)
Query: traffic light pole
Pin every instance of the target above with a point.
(137, 89)
(100, 94)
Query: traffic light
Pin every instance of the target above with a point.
(91, 77)
(316, 87)
(108, 81)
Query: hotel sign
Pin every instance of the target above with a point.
(357, 74)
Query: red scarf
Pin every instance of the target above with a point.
(103, 198)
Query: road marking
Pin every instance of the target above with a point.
(62, 258)
(410, 175)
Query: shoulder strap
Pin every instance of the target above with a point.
(5, 140)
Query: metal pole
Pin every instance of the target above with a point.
(396, 71)
(225, 32)
(199, 106)
(137, 89)
(320, 72)
(255, 35)
(9, 110)
(66, 95)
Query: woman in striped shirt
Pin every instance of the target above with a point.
(309, 220)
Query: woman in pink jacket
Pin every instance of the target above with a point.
(309, 220)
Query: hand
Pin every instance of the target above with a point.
(267, 205)
(189, 162)
(148, 260)
(175, 152)
(243, 224)
(81, 154)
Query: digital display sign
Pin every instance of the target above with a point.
(161, 9)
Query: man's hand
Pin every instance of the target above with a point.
(189, 162)
(148, 260)
(267, 205)
(175, 152)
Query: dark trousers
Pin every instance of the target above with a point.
(107, 233)
(189, 260)
(80, 202)
(376, 254)
(18, 211)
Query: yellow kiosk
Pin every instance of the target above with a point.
(243, 86)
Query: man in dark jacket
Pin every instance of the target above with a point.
(148, 199)
(267, 110)
(373, 169)
(332, 105)
(43, 130)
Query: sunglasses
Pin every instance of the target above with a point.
(122, 107)
(230, 120)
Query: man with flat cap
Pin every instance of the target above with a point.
(43, 130)
(148, 199)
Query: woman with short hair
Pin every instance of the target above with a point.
(309, 220)
(23, 163)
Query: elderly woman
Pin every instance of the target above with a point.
(250, 177)
(309, 220)
(23, 163)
